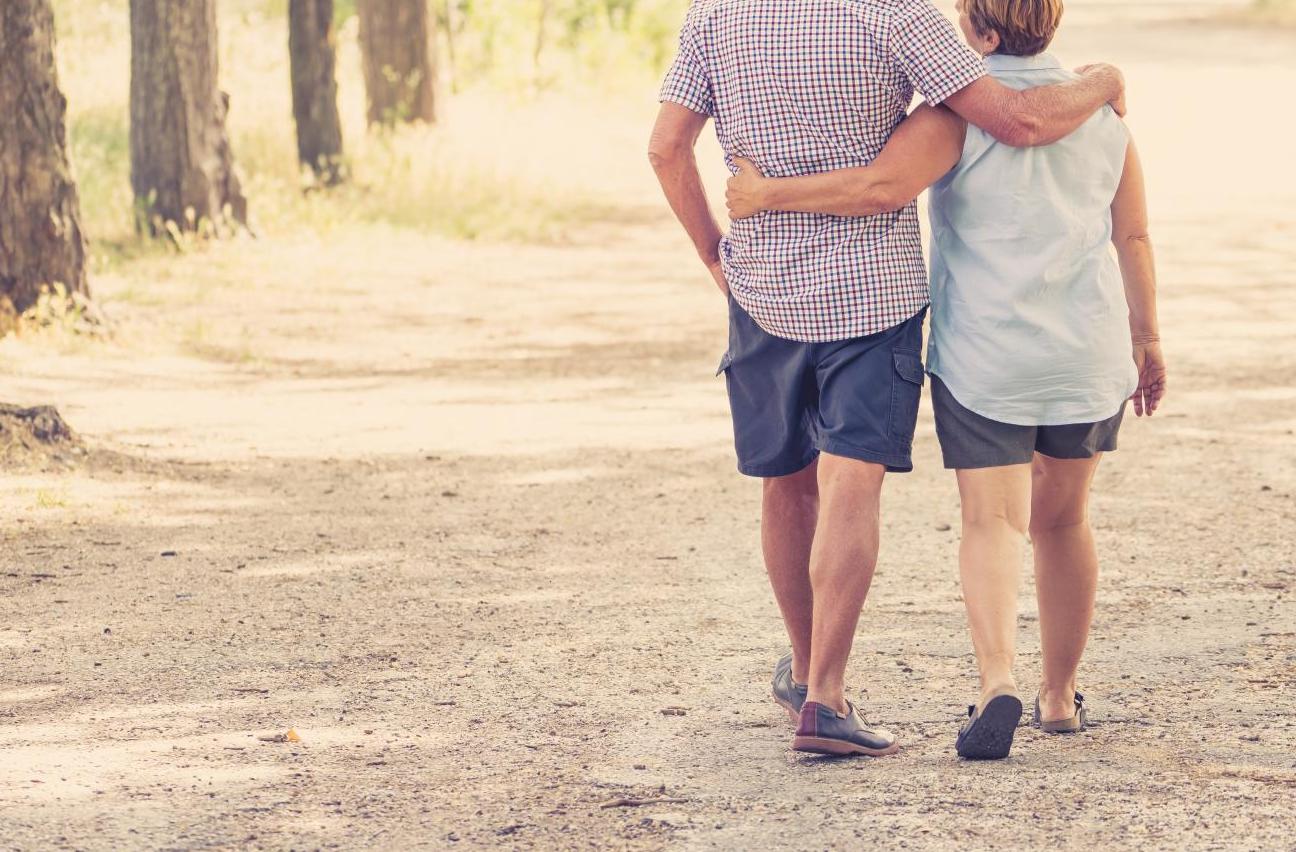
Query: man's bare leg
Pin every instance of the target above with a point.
(789, 513)
(842, 560)
(996, 507)
(1066, 574)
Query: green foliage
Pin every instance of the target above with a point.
(522, 69)
(512, 43)
(1280, 12)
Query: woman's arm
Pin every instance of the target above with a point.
(923, 149)
(1138, 269)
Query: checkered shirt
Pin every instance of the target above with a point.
(806, 86)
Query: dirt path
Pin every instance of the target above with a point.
(468, 525)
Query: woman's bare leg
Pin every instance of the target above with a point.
(1066, 574)
(996, 503)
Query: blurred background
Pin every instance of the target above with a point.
(383, 413)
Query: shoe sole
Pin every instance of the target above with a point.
(839, 748)
(1068, 726)
(991, 735)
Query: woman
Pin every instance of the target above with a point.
(1030, 346)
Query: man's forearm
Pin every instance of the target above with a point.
(1063, 108)
(1038, 116)
(682, 184)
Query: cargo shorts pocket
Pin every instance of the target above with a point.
(906, 394)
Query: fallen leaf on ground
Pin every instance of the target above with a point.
(289, 737)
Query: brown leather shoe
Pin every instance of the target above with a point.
(822, 730)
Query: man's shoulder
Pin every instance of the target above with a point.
(907, 10)
(700, 11)
(881, 16)
(886, 16)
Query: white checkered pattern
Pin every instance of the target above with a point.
(805, 86)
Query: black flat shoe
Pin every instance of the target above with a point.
(989, 731)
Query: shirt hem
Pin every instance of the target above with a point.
(1048, 419)
(688, 103)
(951, 89)
(867, 330)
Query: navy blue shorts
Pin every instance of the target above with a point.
(791, 401)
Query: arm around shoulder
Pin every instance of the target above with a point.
(1031, 117)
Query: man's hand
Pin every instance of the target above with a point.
(745, 195)
(1152, 376)
(1116, 80)
(717, 272)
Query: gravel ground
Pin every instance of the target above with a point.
(469, 528)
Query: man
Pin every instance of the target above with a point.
(824, 370)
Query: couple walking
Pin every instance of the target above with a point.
(1039, 336)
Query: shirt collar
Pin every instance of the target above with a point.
(1001, 62)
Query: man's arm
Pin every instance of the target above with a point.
(928, 51)
(1138, 269)
(671, 152)
(1039, 116)
(922, 150)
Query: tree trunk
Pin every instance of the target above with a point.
(311, 47)
(182, 168)
(41, 243)
(396, 40)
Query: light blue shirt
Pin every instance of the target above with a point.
(1029, 320)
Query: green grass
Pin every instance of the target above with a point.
(1273, 11)
(47, 499)
(440, 180)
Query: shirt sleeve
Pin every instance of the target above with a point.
(930, 54)
(687, 82)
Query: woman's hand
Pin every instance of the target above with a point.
(746, 193)
(1152, 376)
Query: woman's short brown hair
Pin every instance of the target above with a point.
(1025, 27)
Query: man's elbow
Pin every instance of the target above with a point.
(666, 153)
(660, 158)
(1020, 129)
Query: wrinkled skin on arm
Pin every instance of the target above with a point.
(1040, 116)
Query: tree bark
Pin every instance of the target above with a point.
(41, 242)
(182, 167)
(311, 48)
(396, 41)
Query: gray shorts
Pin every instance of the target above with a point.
(969, 441)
